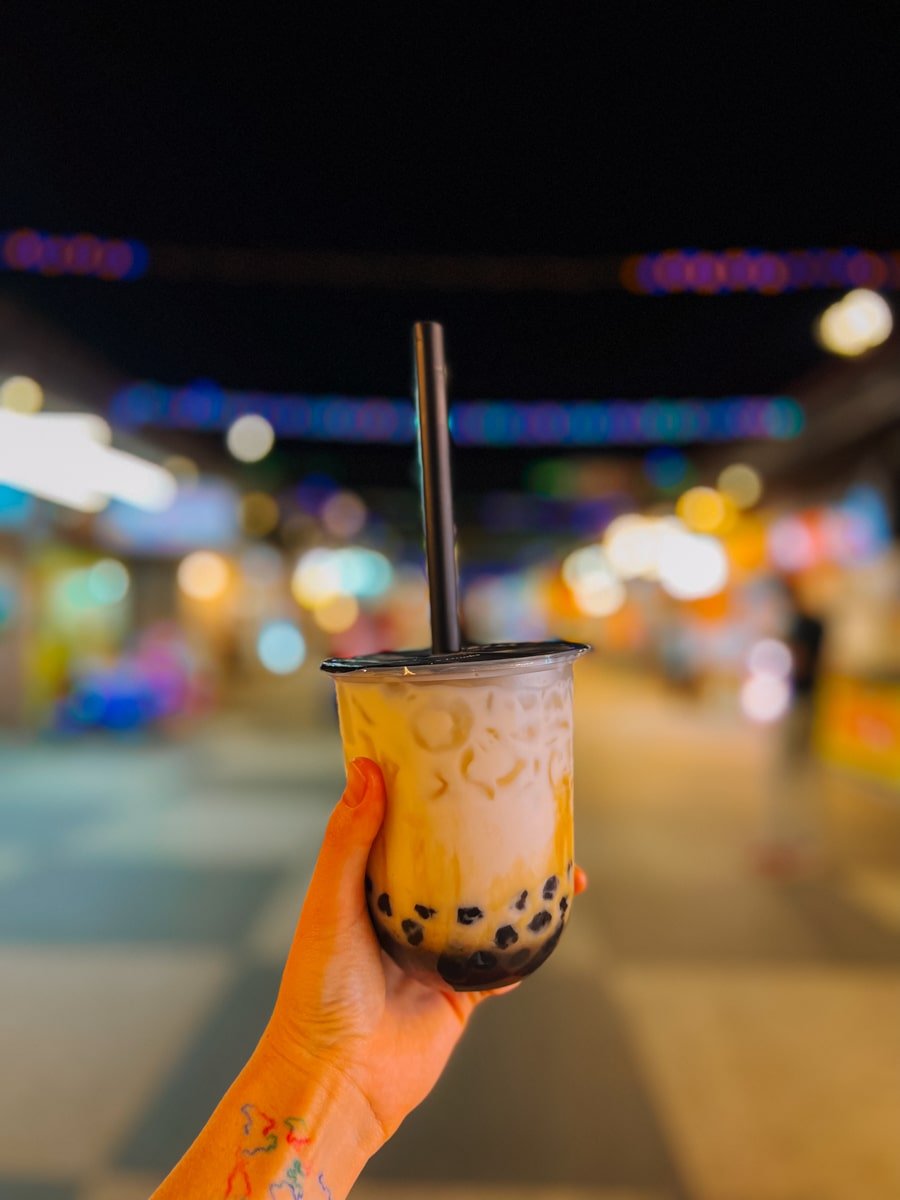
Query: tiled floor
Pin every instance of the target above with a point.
(99, 1028)
(703, 1033)
(821, 1045)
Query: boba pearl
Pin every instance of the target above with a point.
(483, 960)
(368, 885)
(520, 956)
(540, 921)
(453, 970)
(468, 916)
(384, 904)
(520, 903)
(413, 930)
(505, 936)
(424, 911)
(549, 946)
(563, 904)
(550, 887)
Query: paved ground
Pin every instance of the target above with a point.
(703, 1033)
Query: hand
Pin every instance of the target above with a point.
(344, 1005)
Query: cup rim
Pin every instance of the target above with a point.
(473, 661)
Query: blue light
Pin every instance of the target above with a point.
(203, 515)
(108, 581)
(140, 260)
(87, 706)
(666, 469)
(380, 419)
(281, 647)
(589, 424)
(866, 506)
(363, 572)
(15, 507)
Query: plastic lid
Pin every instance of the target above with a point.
(416, 661)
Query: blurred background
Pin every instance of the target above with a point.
(666, 252)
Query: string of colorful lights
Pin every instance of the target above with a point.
(669, 272)
(765, 272)
(82, 254)
(378, 419)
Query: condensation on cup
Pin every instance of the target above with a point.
(470, 881)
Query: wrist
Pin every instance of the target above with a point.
(290, 1125)
(335, 1129)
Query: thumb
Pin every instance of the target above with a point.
(336, 897)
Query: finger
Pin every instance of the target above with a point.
(475, 998)
(581, 881)
(336, 896)
(504, 991)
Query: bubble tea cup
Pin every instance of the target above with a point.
(470, 880)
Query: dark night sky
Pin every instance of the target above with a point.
(577, 129)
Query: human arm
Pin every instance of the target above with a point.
(352, 1046)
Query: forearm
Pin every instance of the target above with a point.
(283, 1130)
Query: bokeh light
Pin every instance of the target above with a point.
(183, 468)
(343, 514)
(262, 565)
(258, 514)
(792, 544)
(250, 438)
(600, 597)
(585, 563)
(510, 422)
(316, 578)
(596, 589)
(364, 572)
(203, 575)
(72, 254)
(855, 324)
(770, 657)
(71, 595)
(666, 468)
(765, 698)
(767, 272)
(692, 566)
(631, 545)
(336, 614)
(704, 510)
(281, 647)
(108, 581)
(352, 570)
(21, 394)
(741, 484)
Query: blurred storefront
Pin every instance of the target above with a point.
(138, 613)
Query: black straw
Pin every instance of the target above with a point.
(437, 488)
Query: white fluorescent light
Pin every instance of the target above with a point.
(66, 458)
(133, 480)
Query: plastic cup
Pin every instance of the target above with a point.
(469, 883)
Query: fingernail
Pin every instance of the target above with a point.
(357, 783)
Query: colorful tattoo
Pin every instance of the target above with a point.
(293, 1139)
(254, 1116)
(259, 1130)
(285, 1191)
(239, 1174)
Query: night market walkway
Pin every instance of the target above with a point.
(705, 1032)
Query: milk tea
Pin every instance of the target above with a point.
(469, 882)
